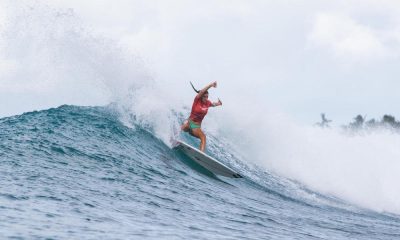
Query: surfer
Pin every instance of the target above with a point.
(199, 110)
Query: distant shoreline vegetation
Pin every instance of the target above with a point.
(386, 122)
(360, 123)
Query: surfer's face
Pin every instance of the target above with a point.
(204, 97)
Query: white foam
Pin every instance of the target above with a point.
(361, 169)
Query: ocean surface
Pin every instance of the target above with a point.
(79, 173)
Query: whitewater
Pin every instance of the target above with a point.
(86, 151)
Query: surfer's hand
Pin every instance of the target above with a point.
(219, 103)
(214, 84)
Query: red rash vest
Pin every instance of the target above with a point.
(199, 110)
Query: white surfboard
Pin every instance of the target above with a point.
(206, 161)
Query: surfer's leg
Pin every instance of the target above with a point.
(185, 126)
(202, 141)
(199, 134)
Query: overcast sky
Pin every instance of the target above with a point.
(302, 57)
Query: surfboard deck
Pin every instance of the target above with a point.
(206, 161)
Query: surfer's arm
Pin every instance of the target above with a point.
(202, 91)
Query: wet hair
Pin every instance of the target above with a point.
(197, 91)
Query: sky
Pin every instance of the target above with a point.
(300, 57)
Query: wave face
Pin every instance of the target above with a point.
(79, 173)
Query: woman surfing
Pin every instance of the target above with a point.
(199, 111)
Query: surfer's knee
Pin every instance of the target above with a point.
(185, 126)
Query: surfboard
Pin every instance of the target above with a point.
(208, 162)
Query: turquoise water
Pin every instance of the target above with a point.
(79, 173)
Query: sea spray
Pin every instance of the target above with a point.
(359, 168)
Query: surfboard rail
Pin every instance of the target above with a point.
(206, 161)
